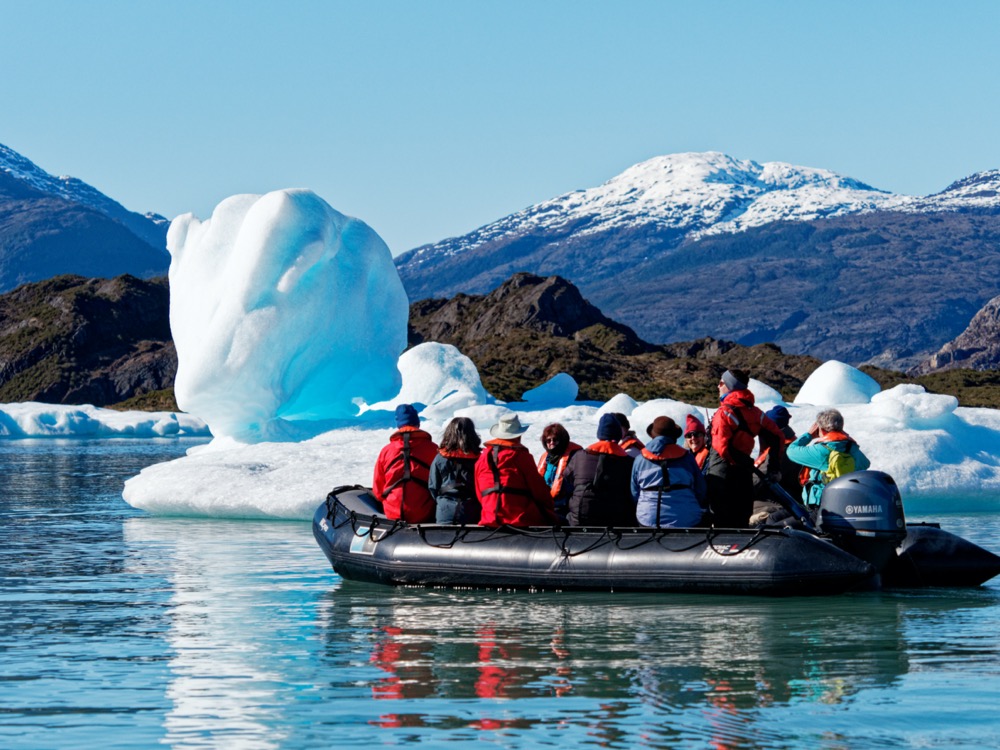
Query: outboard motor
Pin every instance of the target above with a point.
(862, 513)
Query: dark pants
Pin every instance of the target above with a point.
(452, 510)
(730, 492)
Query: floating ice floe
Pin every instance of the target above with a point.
(559, 390)
(36, 420)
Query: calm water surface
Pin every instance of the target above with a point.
(123, 630)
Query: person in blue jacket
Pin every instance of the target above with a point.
(668, 486)
(814, 449)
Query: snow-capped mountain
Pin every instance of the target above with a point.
(60, 225)
(690, 245)
(700, 194)
(710, 192)
(981, 190)
(152, 228)
(695, 193)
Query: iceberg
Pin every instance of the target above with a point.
(836, 383)
(36, 420)
(437, 377)
(558, 390)
(284, 313)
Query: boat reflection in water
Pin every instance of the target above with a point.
(258, 648)
(498, 659)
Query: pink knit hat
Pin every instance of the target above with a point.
(693, 424)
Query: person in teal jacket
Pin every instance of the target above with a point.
(813, 450)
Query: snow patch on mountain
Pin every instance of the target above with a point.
(698, 194)
(981, 190)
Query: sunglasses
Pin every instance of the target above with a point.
(695, 434)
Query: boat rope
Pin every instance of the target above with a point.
(374, 523)
(561, 536)
(658, 534)
(494, 530)
(460, 533)
(647, 538)
(602, 540)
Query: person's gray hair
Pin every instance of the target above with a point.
(830, 420)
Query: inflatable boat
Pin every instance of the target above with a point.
(860, 541)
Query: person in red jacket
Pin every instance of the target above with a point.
(508, 485)
(736, 425)
(402, 469)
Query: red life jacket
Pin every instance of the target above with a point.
(607, 446)
(458, 454)
(670, 451)
(401, 475)
(631, 441)
(701, 457)
(509, 488)
(736, 424)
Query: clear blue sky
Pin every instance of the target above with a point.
(429, 119)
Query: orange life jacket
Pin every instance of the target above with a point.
(630, 442)
(571, 448)
(607, 446)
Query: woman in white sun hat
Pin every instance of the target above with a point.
(507, 483)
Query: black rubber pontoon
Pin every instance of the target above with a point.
(363, 545)
(862, 533)
(931, 556)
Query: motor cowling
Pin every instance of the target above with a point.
(862, 513)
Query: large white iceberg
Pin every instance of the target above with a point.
(283, 310)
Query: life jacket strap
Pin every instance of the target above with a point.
(670, 487)
(408, 460)
(661, 488)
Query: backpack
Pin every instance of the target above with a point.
(840, 463)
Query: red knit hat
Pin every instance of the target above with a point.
(693, 424)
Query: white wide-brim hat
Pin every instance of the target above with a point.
(507, 427)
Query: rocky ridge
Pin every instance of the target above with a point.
(107, 342)
(97, 341)
(531, 328)
(976, 348)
